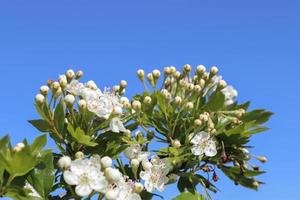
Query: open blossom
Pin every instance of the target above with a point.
(135, 152)
(86, 174)
(122, 190)
(102, 104)
(155, 177)
(203, 144)
(116, 125)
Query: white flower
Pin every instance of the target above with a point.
(202, 144)
(44, 90)
(39, 98)
(135, 152)
(87, 176)
(116, 125)
(156, 176)
(64, 162)
(230, 94)
(113, 174)
(62, 79)
(69, 99)
(92, 85)
(122, 190)
(75, 87)
(106, 162)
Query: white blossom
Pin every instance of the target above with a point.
(75, 87)
(203, 144)
(135, 152)
(116, 125)
(122, 190)
(86, 175)
(155, 177)
(230, 94)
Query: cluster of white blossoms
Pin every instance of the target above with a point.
(104, 104)
(97, 174)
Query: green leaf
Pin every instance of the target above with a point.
(80, 136)
(59, 116)
(41, 125)
(38, 144)
(215, 102)
(189, 196)
(42, 176)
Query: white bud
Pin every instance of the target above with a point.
(69, 99)
(92, 85)
(177, 74)
(187, 68)
(214, 70)
(81, 103)
(123, 84)
(255, 184)
(19, 147)
(262, 159)
(198, 122)
(167, 70)
(146, 165)
(106, 162)
(79, 74)
(172, 69)
(39, 98)
(202, 83)
(141, 74)
(190, 86)
(111, 194)
(116, 88)
(70, 74)
(79, 155)
(178, 100)
(201, 69)
(222, 84)
(150, 77)
(156, 73)
(147, 100)
(57, 92)
(55, 85)
(62, 79)
(197, 88)
(113, 174)
(124, 100)
(176, 144)
(44, 90)
(190, 105)
(136, 105)
(138, 187)
(134, 163)
(64, 162)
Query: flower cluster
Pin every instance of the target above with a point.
(105, 141)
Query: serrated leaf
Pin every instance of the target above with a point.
(80, 136)
(215, 102)
(189, 196)
(59, 116)
(38, 144)
(41, 125)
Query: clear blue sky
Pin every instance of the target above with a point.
(255, 43)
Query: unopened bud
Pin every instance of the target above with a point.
(167, 70)
(222, 84)
(176, 144)
(202, 83)
(69, 99)
(146, 165)
(79, 74)
(70, 74)
(200, 69)
(55, 85)
(92, 85)
(79, 155)
(190, 105)
(197, 88)
(262, 159)
(39, 98)
(19, 147)
(81, 103)
(136, 105)
(124, 100)
(198, 122)
(177, 100)
(141, 74)
(106, 162)
(44, 90)
(190, 87)
(123, 84)
(138, 188)
(147, 100)
(255, 184)
(214, 70)
(187, 68)
(172, 69)
(57, 92)
(156, 73)
(135, 163)
(64, 162)
(62, 79)
(177, 75)
(111, 194)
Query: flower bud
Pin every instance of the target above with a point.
(146, 165)
(69, 99)
(138, 187)
(167, 70)
(202, 83)
(172, 69)
(113, 174)
(262, 159)
(222, 84)
(79, 155)
(44, 90)
(150, 78)
(55, 86)
(190, 86)
(64, 162)
(197, 88)
(156, 73)
(116, 88)
(200, 69)
(106, 162)
(124, 100)
(111, 194)
(62, 79)
(176, 144)
(19, 147)
(190, 105)
(147, 100)
(177, 100)
(214, 70)
(49, 83)
(123, 84)
(141, 74)
(57, 92)
(187, 68)
(177, 75)
(70, 74)
(127, 105)
(255, 184)
(92, 85)
(79, 74)
(81, 104)
(39, 98)
(198, 122)
(136, 105)
(135, 163)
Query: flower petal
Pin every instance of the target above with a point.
(83, 190)
(210, 149)
(197, 150)
(70, 178)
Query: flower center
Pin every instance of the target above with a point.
(84, 179)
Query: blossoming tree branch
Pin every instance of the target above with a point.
(106, 142)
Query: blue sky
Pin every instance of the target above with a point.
(255, 43)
